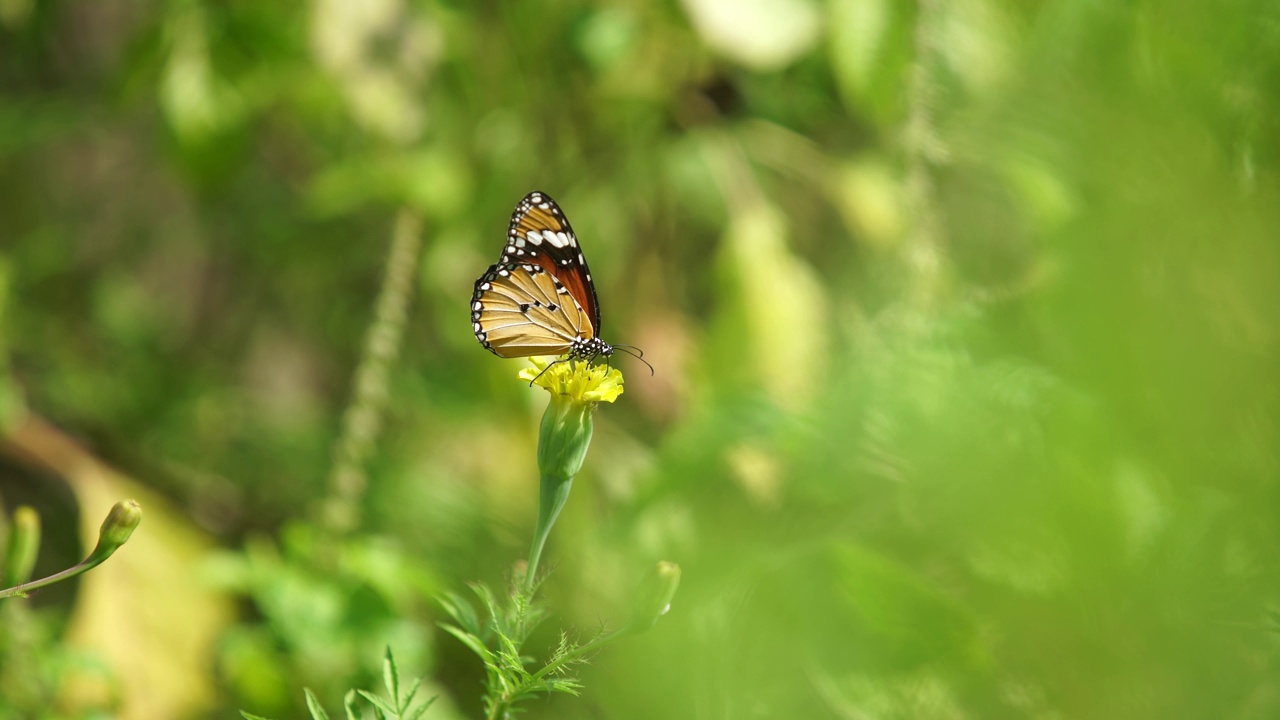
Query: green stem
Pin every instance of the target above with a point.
(563, 438)
(552, 495)
(116, 529)
(83, 566)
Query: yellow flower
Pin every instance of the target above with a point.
(583, 382)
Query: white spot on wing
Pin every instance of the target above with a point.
(535, 237)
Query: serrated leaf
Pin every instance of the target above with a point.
(313, 704)
(470, 641)
(418, 713)
(378, 702)
(391, 677)
(460, 610)
(567, 687)
(408, 697)
(491, 606)
(349, 704)
(483, 592)
(504, 682)
(509, 654)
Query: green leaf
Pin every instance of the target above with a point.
(418, 713)
(491, 606)
(408, 697)
(379, 703)
(870, 49)
(470, 641)
(349, 704)
(251, 716)
(569, 686)
(317, 711)
(461, 611)
(390, 677)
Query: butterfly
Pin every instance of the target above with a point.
(538, 299)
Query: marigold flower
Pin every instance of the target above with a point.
(581, 381)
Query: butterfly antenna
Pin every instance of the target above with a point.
(636, 353)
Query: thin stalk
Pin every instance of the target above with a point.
(552, 496)
(923, 252)
(83, 566)
(362, 419)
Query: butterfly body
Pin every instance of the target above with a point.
(538, 299)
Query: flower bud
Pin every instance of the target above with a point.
(116, 529)
(24, 546)
(563, 438)
(653, 597)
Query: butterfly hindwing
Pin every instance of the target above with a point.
(519, 309)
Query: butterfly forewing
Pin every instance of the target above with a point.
(540, 234)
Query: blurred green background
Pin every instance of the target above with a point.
(963, 317)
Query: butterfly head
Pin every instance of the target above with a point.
(589, 349)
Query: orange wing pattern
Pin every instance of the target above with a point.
(520, 310)
(540, 234)
(539, 298)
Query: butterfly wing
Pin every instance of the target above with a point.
(540, 234)
(521, 309)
